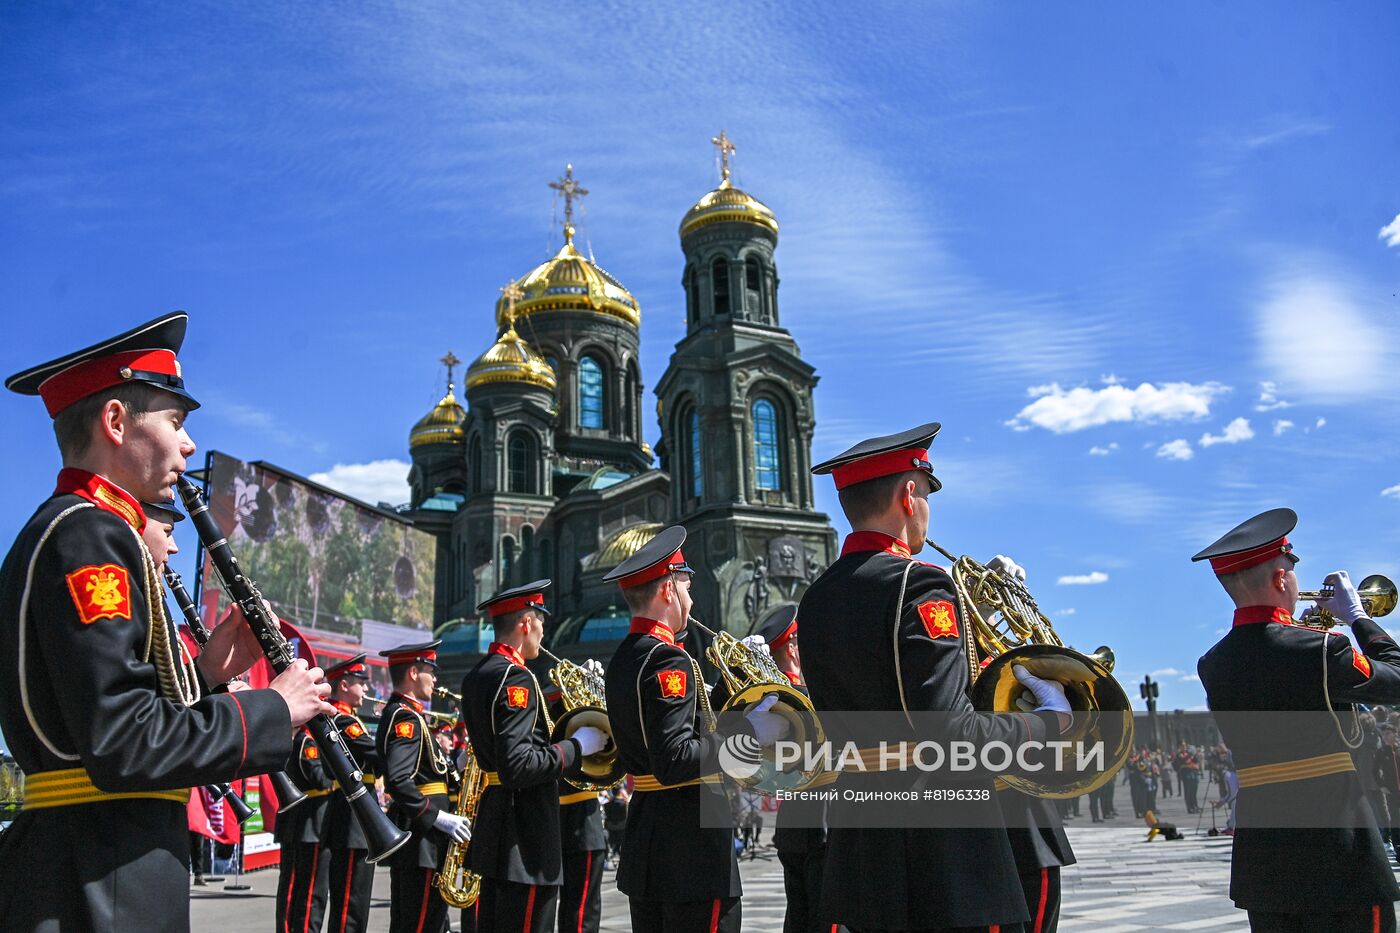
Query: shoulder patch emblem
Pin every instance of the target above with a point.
(518, 697)
(354, 730)
(939, 618)
(1361, 663)
(312, 752)
(404, 730)
(672, 683)
(100, 592)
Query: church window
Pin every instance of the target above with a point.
(719, 272)
(692, 298)
(553, 364)
(590, 393)
(697, 470)
(474, 463)
(520, 463)
(753, 277)
(765, 446)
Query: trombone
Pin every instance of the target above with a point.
(1378, 597)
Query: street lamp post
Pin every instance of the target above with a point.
(1148, 690)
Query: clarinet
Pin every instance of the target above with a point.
(382, 836)
(279, 781)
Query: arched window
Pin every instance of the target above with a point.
(527, 553)
(719, 273)
(474, 463)
(506, 563)
(590, 393)
(697, 470)
(753, 278)
(520, 463)
(629, 402)
(767, 467)
(692, 299)
(553, 362)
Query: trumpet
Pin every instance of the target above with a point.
(1378, 597)
(585, 704)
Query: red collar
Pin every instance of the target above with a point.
(343, 707)
(858, 542)
(658, 630)
(1248, 615)
(506, 651)
(794, 679)
(410, 702)
(103, 493)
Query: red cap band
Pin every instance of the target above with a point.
(348, 669)
(516, 603)
(654, 572)
(78, 382)
(409, 657)
(885, 464)
(782, 639)
(1241, 560)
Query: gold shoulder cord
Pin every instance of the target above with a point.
(707, 713)
(176, 675)
(1355, 740)
(544, 707)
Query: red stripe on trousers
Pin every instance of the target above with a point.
(291, 886)
(1376, 915)
(349, 880)
(1044, 896)
(587, 878)
(423, 914)
(714, 917)
(311, 888)
(529, 910)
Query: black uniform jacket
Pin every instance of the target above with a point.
(412, 761)
(800, 822)
(342, 830)
(77, 691)
(581, 820)
(655, 713)
(1036, 832)
(515, 836)
(306, 821)
(891, 878)
(1271, 666)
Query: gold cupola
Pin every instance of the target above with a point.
(442, 425)
(727, 204)
(510, 358)
(570, 281)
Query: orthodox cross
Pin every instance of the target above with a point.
(569, 187)
(513, 293)
(450, 361)
(725, 145)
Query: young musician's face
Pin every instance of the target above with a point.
(352, 691)
(160, 541)
(533, 625)
(154, 450)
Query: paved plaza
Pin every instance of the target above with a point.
(1122, 883)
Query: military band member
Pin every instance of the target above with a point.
(1265, 662)
(96, 697)
(583, 844)
(679, 875)
(304, 867)
(351, 876)
(415, 778)
(515, 839)
(865, 649)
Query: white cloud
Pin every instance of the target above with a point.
(1063, 410)
(1235, 432)
(1281, 425)
(1191, 679)
(1268, 398)
(373, 482)
(1167, 672)
(1178, 449)
(1321, 422)
(1103, 451)
(1064, 612)
(1391, 232)
(1326, 334)
(1392, 491)
(1083, 579)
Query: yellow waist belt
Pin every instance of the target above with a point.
(72, 786)
(581, 797)
(432, 787)
(871, 762)
(317, 793)
(493, 779)
(1298, 770)
(645, 782)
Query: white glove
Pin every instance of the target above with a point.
(593, 666)
(458, 828)
(590, 739)
(1005, 565)
(758, 643)
(1344, 603)
(767, 727)
(1049, 694)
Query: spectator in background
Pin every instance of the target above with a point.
(1388, 781)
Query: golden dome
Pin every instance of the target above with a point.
(570, 282)
(623, 544)
(511, 359)
(728, 204)
(442, 425)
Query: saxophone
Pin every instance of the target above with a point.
(458, 886)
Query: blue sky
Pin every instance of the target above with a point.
(1131, 257)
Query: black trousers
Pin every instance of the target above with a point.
(301, 887)
(1380, 918)
(510, 907)
(802, 883)
(581, 898)
(1190, 781)
(994, 928)
(469, 916)
(717, 915)
(352, 880)
(414, 904)
(1042, 890)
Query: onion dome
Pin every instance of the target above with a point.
(727, 204)
(622, 545)
(442, 425)
(511, 359)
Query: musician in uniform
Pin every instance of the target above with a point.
(516, 834)
(97, 696)
(583, 844)
(351, 876)
(1300, 765)
(882, 632)
(679, 875)
(415, 778)
(304, 867)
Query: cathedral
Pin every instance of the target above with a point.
(544, 473)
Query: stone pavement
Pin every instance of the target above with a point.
(1122, 883)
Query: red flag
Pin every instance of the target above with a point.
(212, 818)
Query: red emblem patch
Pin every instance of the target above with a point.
(404, 730)
(354, 730)
(1361, 663)
(672, 683)
(312, 752)
(940, 620)
(100, 592)
(518, 697)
